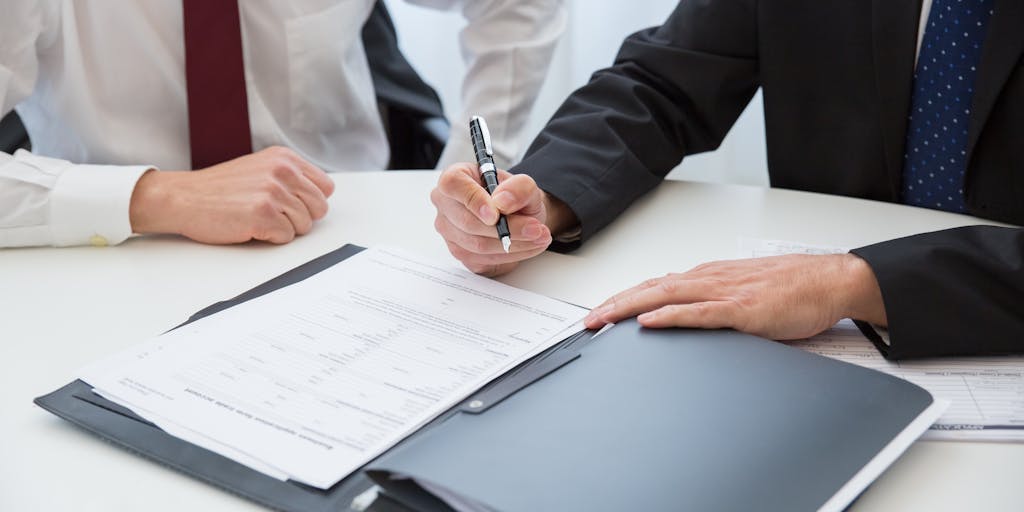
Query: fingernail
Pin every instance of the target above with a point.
(503, 200)
(487, 214)
(647, 317)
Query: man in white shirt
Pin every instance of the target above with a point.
(109, 97)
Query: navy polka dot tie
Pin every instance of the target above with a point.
(936, 151)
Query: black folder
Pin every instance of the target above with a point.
(667, 419)
(77, 403)
(648, 420)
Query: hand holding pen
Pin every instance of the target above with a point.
(484, 151)
(468, 216)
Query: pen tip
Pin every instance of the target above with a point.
(506, 242)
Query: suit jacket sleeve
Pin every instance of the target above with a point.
(952, 292)
(673, 90)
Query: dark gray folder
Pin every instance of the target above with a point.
(665, 420)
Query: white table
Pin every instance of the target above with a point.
(63, 308)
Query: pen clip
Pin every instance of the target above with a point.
(486, 134)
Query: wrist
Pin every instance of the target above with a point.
(560, 218)
(863, 296)
(150, 208)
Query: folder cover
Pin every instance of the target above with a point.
(669, 420)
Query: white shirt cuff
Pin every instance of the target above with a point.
(571, 235)
(89, 204)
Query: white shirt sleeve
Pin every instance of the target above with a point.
(46, 201)
(507, 46)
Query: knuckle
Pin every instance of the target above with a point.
(465, 219)
(477, 197)
(743, 299)
(468, 259)
(484, 269)
(668, 286)
(436, 197)
(271, 190)
(281, 152)
(480, 244)
(702, 267)
(456, 250)
(263, 207)
(449, 179)
(283, 169)
(701, 309)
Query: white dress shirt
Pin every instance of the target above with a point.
(100, 87)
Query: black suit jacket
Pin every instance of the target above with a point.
(837, 77)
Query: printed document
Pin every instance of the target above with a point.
(314, 380)
(986, 393)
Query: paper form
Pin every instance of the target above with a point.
(314, 380)
(986, 393)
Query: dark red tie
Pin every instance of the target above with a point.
(218, 113)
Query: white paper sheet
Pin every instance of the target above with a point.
(314, 380)
(986, 393)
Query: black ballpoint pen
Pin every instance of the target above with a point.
(485, 158)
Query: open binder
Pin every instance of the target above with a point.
(647, 419)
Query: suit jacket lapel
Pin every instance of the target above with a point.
(894, 40)
(1001, 53)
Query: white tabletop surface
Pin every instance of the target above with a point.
(63, 308)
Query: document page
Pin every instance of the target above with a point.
(314, 380)
(986, 394)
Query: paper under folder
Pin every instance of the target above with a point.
(77, 403)
(669, 420)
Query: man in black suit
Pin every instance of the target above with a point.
(888, 100)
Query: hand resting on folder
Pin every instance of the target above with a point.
(785, 297)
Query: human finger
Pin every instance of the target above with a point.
(521, 227)
(489, 243)
(461, 184)
(311, 196)
(518, 194)
(323, 182)
(289, 159)
(701, 315)
(650, 295)
(490, 264)
(294, 208)
(273, 226)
